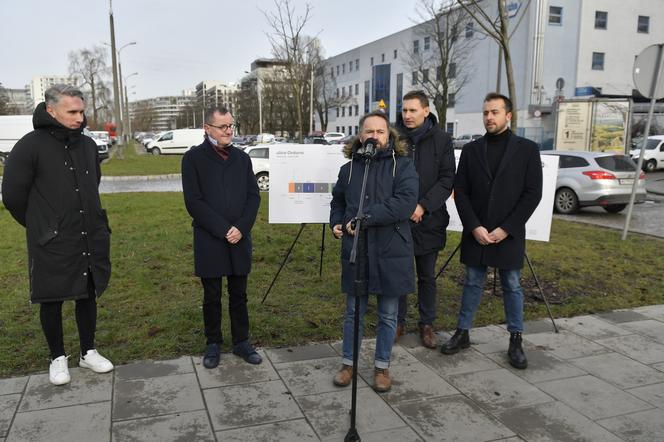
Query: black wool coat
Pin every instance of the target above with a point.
(391, 197)
(220, 194)
(434, 161)
(506, 200)
(50, 186)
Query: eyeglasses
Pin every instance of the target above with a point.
(224, 127)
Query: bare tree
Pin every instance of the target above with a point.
(498, 29)
(144, 116)
(290, 44)
(442, 64)
(6, 106)
(90, 68)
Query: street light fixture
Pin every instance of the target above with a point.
(123, 118)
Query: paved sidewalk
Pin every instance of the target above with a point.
(601, 379)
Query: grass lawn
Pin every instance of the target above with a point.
(152, 308)
(144, 164)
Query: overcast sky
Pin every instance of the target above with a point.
(179, 42)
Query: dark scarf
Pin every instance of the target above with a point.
(41, 119)
(222, 151)
(415, 135)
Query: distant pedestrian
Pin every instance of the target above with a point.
(497, 188)
(222, 197)
(50, 186)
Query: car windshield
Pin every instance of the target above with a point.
(652, 143)
(616, 163)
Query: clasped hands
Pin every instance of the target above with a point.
(484, 237)
(233, 235)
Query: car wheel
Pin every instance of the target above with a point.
(650, 166)
(566, 201)
(155, 151)
(3, 158)
(615, 208)
(263, 180)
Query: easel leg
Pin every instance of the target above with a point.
(283, 263)
(440, 272)
(546, 303)
(322, 250)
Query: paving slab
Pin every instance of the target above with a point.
(85, 387)
(412, 340)
(619, 370)
(453, 418)
(294, 430)
(542, 366)
(637, 347)
(189, 426)
(653, 394)
(489, 339)
(396, 434)
(233, 370)
(250, 404)
(565, 345)
(466, 361)
(138, 398)
(498, 389)
(312, 376)
(538, 326)
(591, 327)
(329, 414)
(400, 355)
(154, 369)
(659, 367)
(652, 311)
(621, 316)
(89, 423)
(554, 421)
(13, 385)
(593, 397)
(411, 382)
(637, 427)
(651, 328)
(8, 405)
(300, 353)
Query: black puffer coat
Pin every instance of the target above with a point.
(433, 156)
(50, 186)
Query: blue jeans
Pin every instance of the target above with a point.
(426, 290)
(385, 333)
(472, 294)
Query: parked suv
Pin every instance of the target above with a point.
(595, 179)
(653, 157)
(102, 146)
(260, 162)
(464, 139)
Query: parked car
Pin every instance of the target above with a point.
(331, 137)
(260, 162)
(176, 141)
(464, 139)
(315, 140)
(653, 157)
(102, 146)
(602, 179)
(102, 135)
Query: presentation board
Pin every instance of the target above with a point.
(302, 177)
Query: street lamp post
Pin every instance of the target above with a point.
(260, 100)
(127, 121)
(116, 89)
(123, 118)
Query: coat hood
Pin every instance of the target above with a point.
(395, 143)
(41, 119)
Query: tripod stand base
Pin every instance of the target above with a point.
(352, 436)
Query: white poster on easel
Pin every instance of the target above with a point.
(301, 180)
(538, 227)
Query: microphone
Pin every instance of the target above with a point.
(368, 148)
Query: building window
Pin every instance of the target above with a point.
(350, 90)
(357, 129)
(337, 70)
(395, 54)
(350, 111)
(357, 89)
(451, 70)
(337, 92)
(598, 61)
(350, 67)
(371, 62)
(343, 111)
(357, 64)
(414, 78)
(450, 100)
(343, 91)
(425, 75)
(343, 68)
(601, 18)
(643, 25)
(337, 117)
(357, 110)
(382, 58)
(427, 43)
(332, 72)
(555, 15)
(343, 129)
(367, 87)
(470, 29)
(416, 46)
(449, 128)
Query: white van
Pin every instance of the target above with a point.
(653, 157)
(176, 141)
(12, 129)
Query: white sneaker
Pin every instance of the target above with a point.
(95, 362)
(58, 372)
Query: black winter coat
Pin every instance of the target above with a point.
(220, 194)
(50, 186)
(391, 199)
(434, 161)
(506, 200)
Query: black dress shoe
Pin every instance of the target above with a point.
(211, 357)
(247, 352)
(460, 340)
(515, 353)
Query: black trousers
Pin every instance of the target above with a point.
(426, 290)
(50, 314)
(237, 308)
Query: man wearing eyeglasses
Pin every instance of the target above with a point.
(222, 197)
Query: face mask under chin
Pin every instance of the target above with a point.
(212, 141)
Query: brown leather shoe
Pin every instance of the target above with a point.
(427, 336)
(401, 329)
(382, 381)
(343, 376)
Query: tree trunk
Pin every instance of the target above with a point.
(94, 102)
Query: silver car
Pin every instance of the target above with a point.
(595, 179)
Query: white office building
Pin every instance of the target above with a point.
(40, 84)
(560, 48)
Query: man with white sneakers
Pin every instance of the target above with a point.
(50, 186)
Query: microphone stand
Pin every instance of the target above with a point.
(358, 258)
